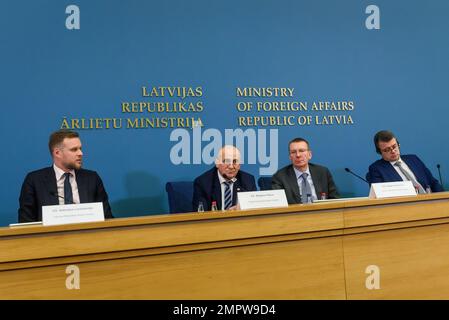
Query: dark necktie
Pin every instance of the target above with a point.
(227, 195)
(68, 196)
(415, 183)
(306, 190)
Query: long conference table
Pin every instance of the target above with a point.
(317, 251)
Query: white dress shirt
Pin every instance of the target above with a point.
(223, 188)
(405, 167)
(309, 180)
(60, 178)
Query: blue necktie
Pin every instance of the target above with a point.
(227, 195)
(306, 190)
(68, 196)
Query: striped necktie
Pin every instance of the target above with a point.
(227, 195)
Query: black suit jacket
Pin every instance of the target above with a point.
(207, 188)
(322, 179)
(40, 189)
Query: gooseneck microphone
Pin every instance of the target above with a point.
(57, 195)
(348, 170)
(439, 173)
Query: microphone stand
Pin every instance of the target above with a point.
(348, 170)
(57, 195)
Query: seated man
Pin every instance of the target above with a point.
(63, 183)
(222, 182)
(303, 181)
(394, 167)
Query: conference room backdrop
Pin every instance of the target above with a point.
(154, 87)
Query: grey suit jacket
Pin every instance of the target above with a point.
(285, 178)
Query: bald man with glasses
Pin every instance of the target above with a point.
(221, 183)
(396, 167)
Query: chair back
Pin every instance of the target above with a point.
(180, 196)
(264, 183)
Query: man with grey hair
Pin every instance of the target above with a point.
(221, 183)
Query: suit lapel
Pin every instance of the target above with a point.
(81, 181)
(394, 175)
(236, 185)
(293, 182)
(317, 179)
(52, 187)
(415, 170)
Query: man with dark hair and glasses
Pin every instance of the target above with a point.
(396, 167)
(221, 183)
(303, 181)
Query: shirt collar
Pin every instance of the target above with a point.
(394, 162)
(299, 173)
(222, 180)
(59, 172)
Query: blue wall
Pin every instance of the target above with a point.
(397, 78)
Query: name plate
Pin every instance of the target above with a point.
(262, 199)
(72, 213)
(392, 189)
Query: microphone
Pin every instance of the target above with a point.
(348, 170)
(439, 173)
(57, 195)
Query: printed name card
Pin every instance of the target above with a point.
(72, 213)
(391, 189)
(262, 199)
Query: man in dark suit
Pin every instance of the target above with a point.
(221, 183)
(63, 183)
(302, 181)
(394, 167)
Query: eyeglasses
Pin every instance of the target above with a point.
(389, 149)
(231, 161)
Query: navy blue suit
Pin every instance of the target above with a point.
(40, 189)
(207, 188)
(383, 171)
